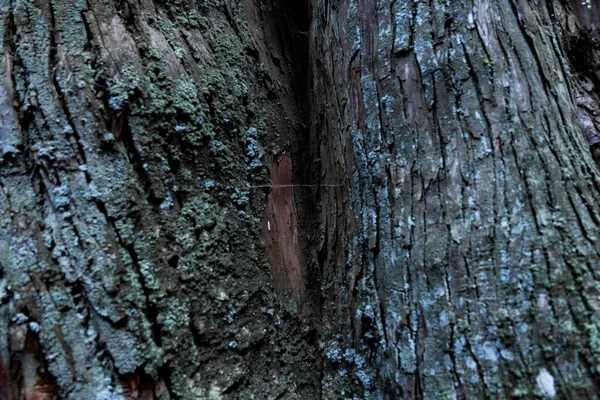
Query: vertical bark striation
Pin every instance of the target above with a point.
(465, 235)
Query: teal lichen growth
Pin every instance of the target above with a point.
(334, 352)
(157, 57)
(166, 29)
(364, 378)
(351, 367)
(122, 88)
(230, 316)
(198, 233)
(253, 150)
(240, 197)
(185, 95)
(208, 185)
(175, 318)
(594, 340)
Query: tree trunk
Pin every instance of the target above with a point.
(460, 254)
(242, 199)
(133, 263)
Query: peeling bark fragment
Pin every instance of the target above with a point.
(138, 387)
(279, 228)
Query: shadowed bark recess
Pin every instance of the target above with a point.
(459, 256)
(582, 43)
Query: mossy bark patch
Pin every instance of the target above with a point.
(131, 249)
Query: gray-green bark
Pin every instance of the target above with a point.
(465, 235)
(132, 259)
(450, 251)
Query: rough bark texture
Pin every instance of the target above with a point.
(441, 241)
(460, 255)
(131, 250)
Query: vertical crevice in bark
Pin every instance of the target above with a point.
(289, 23)
(281, 231)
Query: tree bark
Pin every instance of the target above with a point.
(133, 262)
(464, 237)
(241, 199)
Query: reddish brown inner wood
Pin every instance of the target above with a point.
(279, 227)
